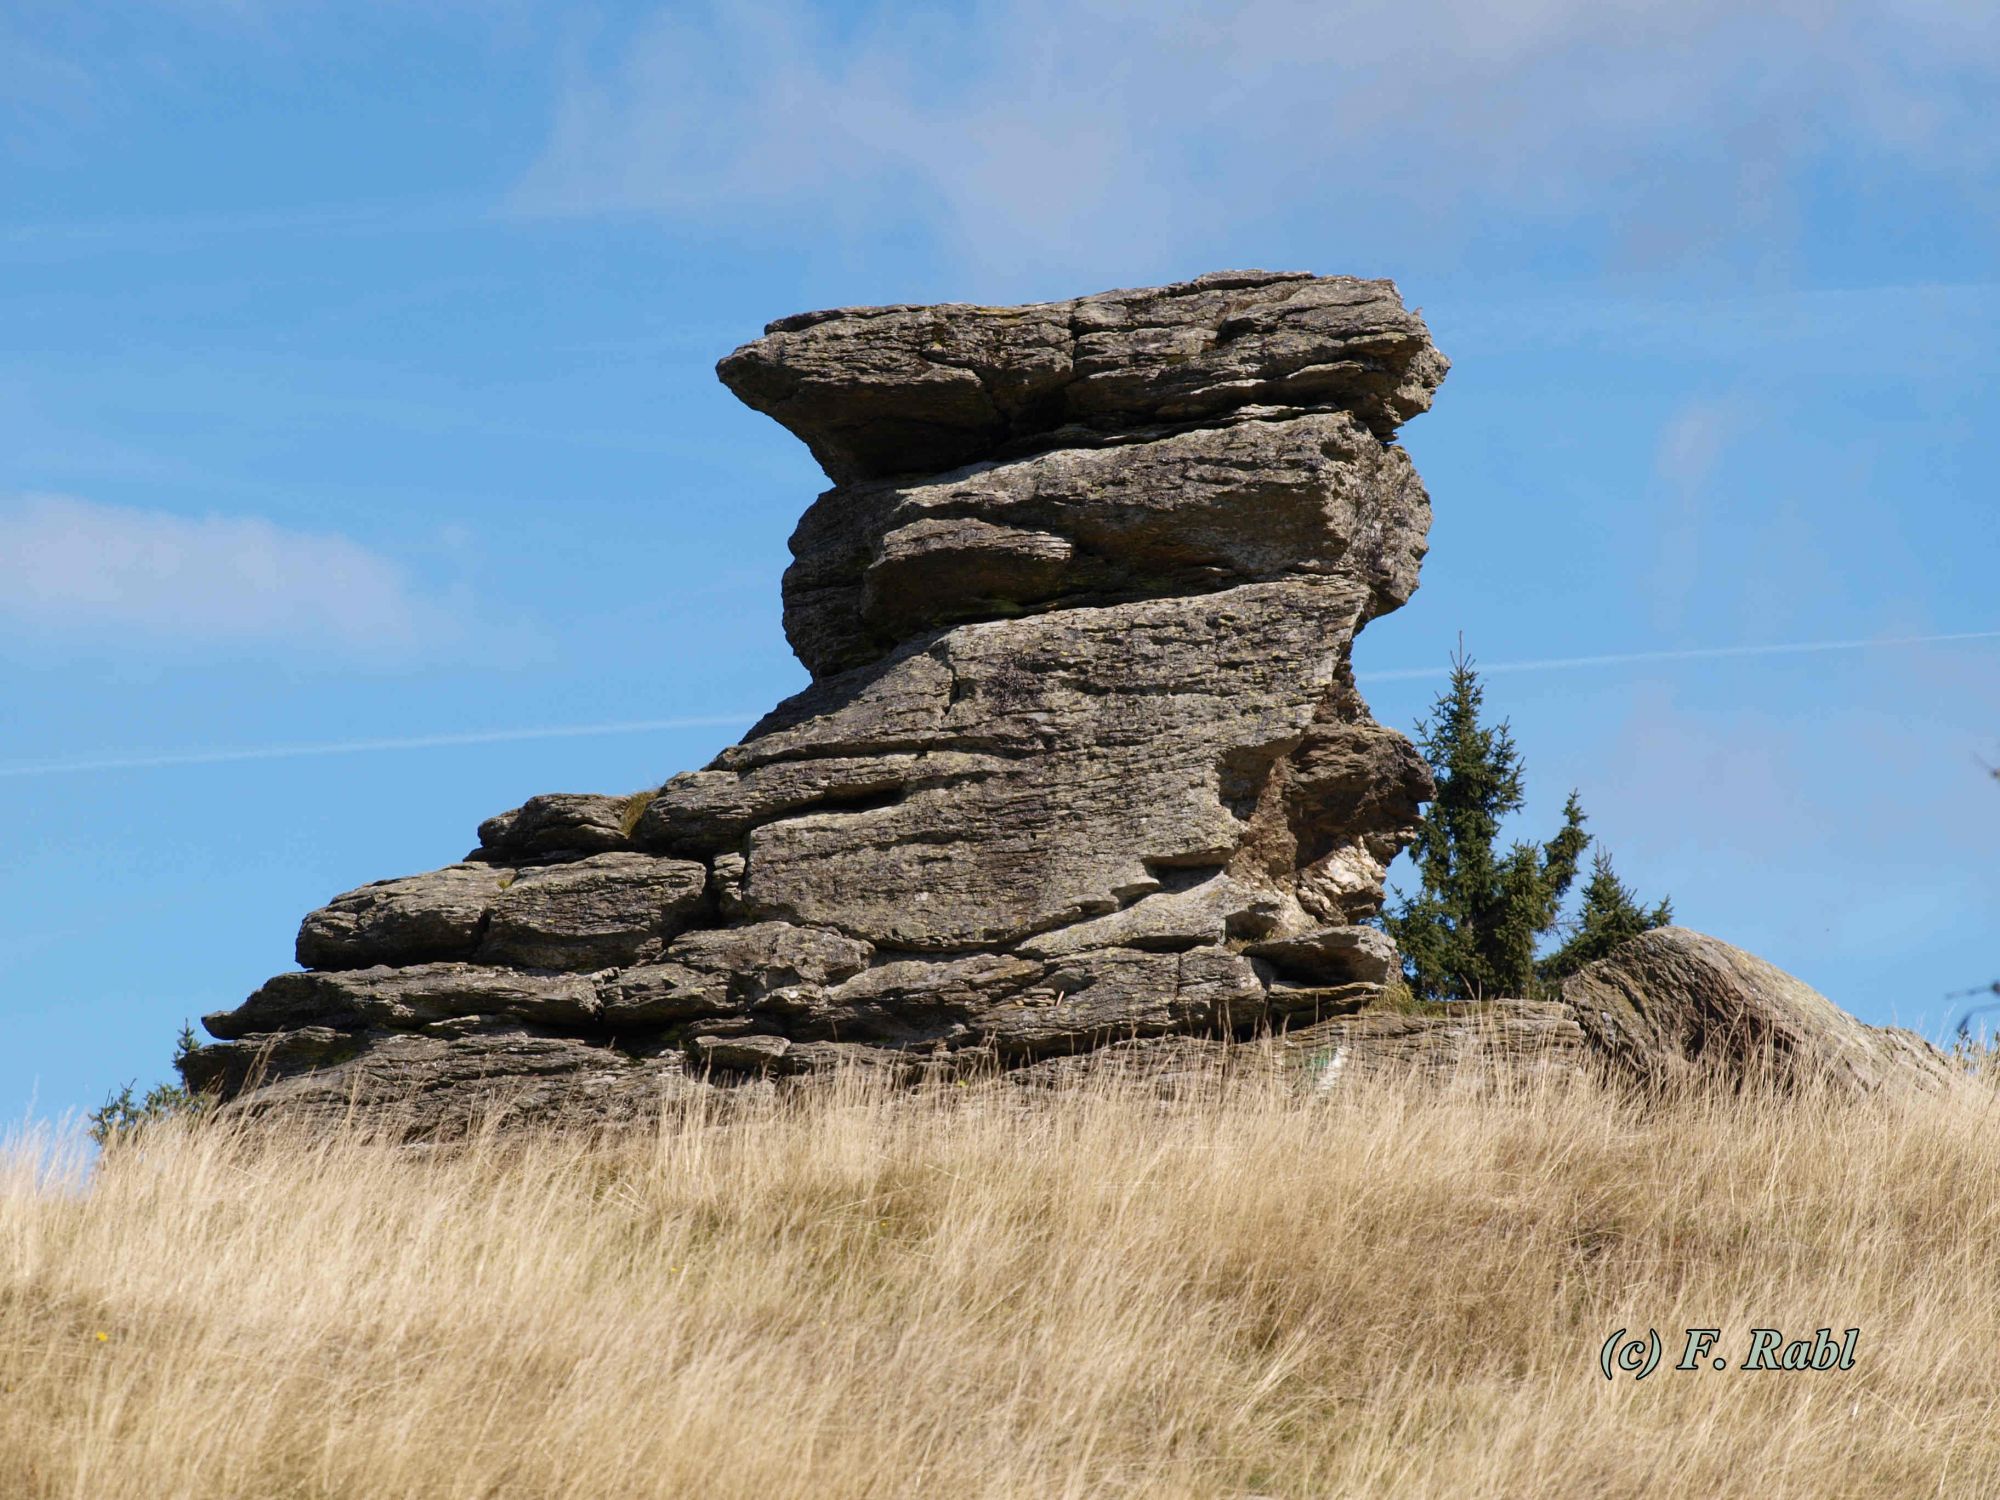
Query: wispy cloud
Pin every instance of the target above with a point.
(1032, 126)
(1690, 448)
(74, 565)
(42, 95)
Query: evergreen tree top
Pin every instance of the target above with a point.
(1473, 928)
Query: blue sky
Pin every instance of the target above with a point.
(356, 385)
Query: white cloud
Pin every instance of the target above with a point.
(72, 565)
(1691, 446)
(1054, 129)
(42, 96)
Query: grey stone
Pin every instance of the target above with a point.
(1336, 955)
(1125, 741)
(593, 913)
(702, 813)
(411, 996)
(1082, 759)
(1493, 1042)
(250, 1062)
(758, 1054)
(559, 823)
(1188, 513)
(898, 390)
(1672, 1003)
(1082, 774)
(765, 955)
(1102, 996)
(439, 915)
(586, 913)
(1205, 915)
(907, 1002)
(429, 1084)
(658, 995)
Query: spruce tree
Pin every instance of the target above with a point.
(1472, 929)
(1611, 913)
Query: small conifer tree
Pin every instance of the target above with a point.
(1473, 928)
(1611, 913)
(123, 1114)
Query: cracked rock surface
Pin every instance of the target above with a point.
(1082, 760)
(1082, 767)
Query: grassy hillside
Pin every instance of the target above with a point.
(1379, 1291)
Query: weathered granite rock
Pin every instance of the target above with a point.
(1082, 759)
(1190, 512)
(441, 915)
(905, 390)
(446, 1080)
(1493, 1043)
(594, 913)
(1671, 1003)
(1514, 1040)
(587, 913)
(557, 824)
(1082, 765)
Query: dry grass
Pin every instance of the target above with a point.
(1383, 1291)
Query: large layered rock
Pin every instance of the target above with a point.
(1082, 768)
(1082, 759)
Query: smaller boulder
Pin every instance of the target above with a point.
(604, 911)
(559, 823)
(1671, 1003)
(436, 916)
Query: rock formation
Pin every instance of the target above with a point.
(1082, 762)
(1082, 758)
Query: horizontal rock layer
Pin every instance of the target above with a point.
(1668, 1007)
(1267, 498)
(909, 390)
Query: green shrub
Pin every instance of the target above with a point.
(123, 1113)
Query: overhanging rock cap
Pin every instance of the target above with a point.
(878, 391)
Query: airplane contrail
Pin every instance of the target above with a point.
(1698, 653)
(352, 747)
(723, 721)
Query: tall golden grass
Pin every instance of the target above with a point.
(1256, 1289)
